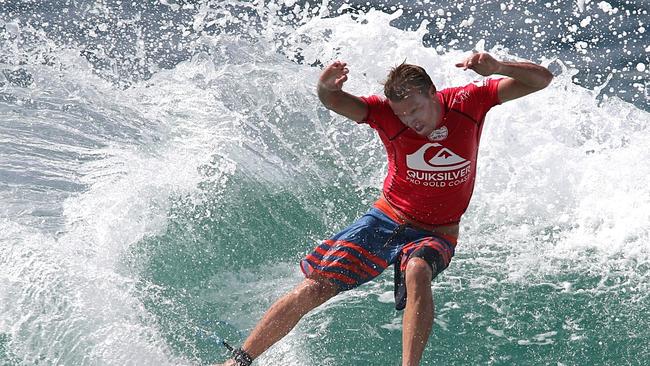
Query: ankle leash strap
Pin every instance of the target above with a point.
(239, 355)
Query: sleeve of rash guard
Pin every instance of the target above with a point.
(485, 96)
(376, 107)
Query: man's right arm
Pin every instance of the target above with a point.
(330, 93)
(343, 103)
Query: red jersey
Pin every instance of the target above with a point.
(432, 179)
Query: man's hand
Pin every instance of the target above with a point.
(523, 77)
(481, 63)
(333, 76)
(331, 94)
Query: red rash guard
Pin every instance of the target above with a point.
(432, 180)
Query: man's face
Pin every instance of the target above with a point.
(420, 112)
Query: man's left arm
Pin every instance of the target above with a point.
(523, 77)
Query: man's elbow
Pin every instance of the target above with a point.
(330, 100)
(327, 103)
(326, 97)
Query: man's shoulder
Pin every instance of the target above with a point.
(471, 87)
(377, 104)
(375, 99)
(476, 92)
(380, 114)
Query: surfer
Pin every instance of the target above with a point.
(431, 139)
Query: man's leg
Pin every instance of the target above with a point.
(285, 313)
(418, 315)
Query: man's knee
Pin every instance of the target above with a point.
(318, 288)
(418, 272)
(306, 296)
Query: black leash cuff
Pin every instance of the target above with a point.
(239, 355)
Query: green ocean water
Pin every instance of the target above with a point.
(220, 274)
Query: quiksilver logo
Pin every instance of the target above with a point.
(437, 166)
(442, 160)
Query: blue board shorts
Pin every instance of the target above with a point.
(364, 249)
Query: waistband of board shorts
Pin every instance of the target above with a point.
(384, 206)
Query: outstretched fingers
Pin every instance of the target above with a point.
(471, 61)
(481, 63)
(339, 82)
(337, 67)
(334, 75)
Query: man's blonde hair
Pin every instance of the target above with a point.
(405, 77)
